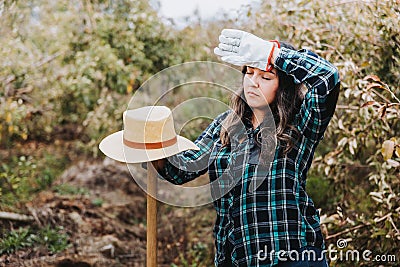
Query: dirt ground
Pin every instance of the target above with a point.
(106, 224)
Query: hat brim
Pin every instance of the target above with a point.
(113, 147)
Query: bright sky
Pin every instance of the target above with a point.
(178, 9)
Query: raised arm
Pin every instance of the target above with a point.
(322, 81)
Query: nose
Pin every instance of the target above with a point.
(254, 80)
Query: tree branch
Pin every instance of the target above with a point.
(14, 216)
(11, 78)
(358, 227)
(347, 107)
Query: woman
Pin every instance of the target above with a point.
(272, 222)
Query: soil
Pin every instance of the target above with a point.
(106, 224)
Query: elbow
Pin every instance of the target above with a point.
(336, 76)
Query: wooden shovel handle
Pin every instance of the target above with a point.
(151, 254)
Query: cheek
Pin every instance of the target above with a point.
(270, 89)
(246, 82)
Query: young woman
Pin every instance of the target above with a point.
(274, 223)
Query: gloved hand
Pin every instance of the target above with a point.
(242, 48)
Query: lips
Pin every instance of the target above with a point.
(252, 93)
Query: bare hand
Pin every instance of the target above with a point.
(159, 164)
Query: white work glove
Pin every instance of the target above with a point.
(242, 48)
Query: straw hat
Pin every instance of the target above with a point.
(148, 135)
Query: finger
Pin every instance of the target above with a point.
(228, 40)
(229, 48)
(225, 47)
(232, 33)
(221, 53)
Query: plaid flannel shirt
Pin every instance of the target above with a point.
(279, 215)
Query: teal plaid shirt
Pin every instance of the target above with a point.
(278, 215)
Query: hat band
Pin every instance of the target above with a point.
(156, 145)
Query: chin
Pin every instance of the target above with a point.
(258, 106)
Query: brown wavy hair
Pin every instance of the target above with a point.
(285, 106)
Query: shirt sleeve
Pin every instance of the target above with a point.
(190, 164)
(322, 81)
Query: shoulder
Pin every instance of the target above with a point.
(221, 117)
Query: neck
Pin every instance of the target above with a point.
(258, 117)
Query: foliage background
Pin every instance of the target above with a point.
(68, 66)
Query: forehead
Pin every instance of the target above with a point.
(272, 71)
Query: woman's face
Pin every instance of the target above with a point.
(260, 87)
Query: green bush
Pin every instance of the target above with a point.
(70, 69)
(21, 177)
